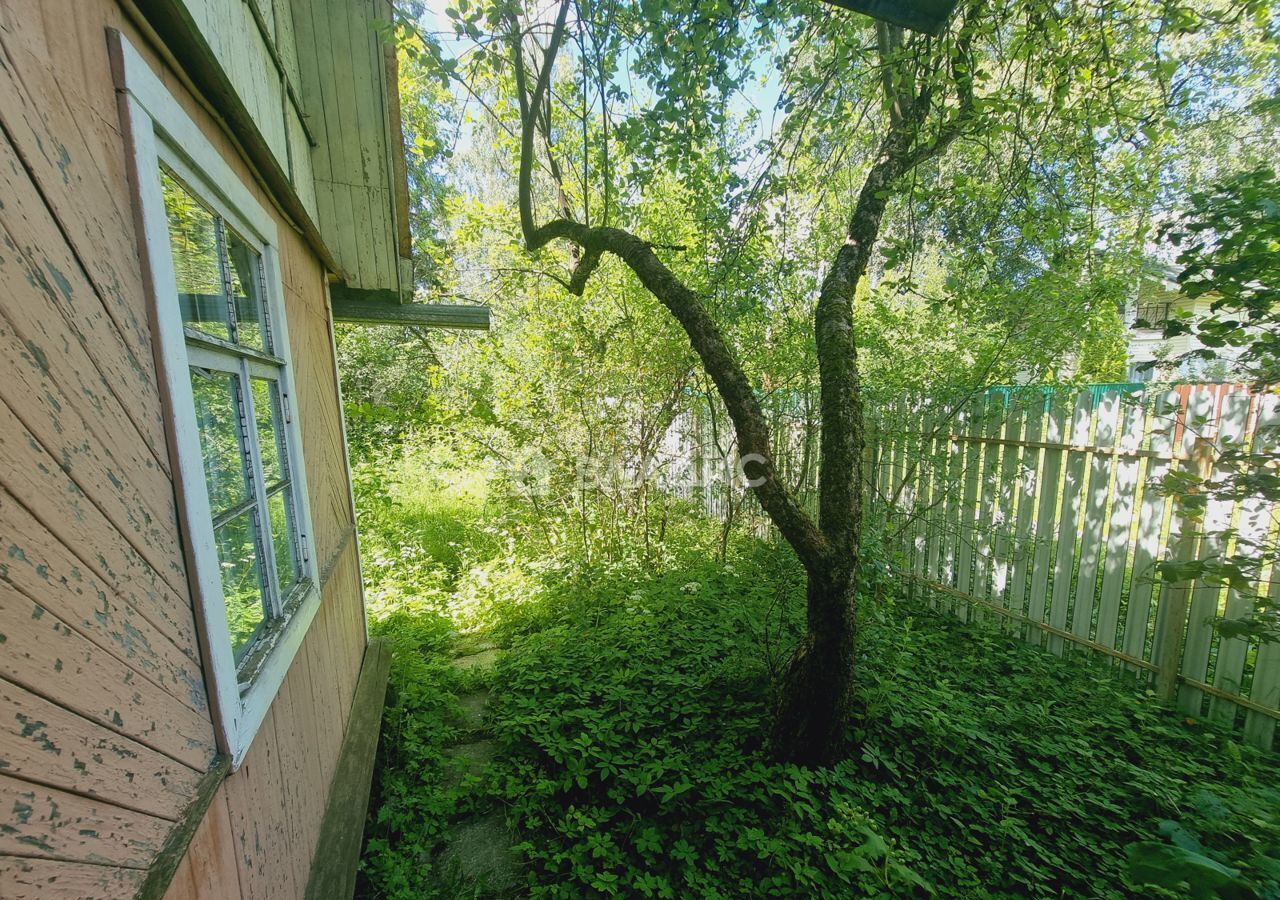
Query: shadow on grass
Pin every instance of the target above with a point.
(627, 714)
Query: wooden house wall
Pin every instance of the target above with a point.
(322, 61)
(105, 728)
(253, 42)
(343, 70)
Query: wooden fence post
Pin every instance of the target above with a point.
(1175, 597)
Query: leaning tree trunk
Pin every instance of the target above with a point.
(817, 692)
(814, 707)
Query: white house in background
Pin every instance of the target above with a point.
(1155, 299)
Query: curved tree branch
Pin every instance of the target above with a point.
(704, 334)
(529, 106)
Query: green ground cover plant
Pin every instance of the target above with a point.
(630, 709)
(643, 645)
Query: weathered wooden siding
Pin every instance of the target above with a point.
(253, 42)
(313, 76)
(343, 71)
(265, 820)
(105, 727)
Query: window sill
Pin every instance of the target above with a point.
(266, 643)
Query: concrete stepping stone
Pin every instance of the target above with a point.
(472, 758)
(480, 851)
(479, 847)
(483, 659)
(467, 644)
(473, 708)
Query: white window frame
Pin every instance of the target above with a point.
(161, 133)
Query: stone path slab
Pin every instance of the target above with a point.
(480, 850)
(479, 847)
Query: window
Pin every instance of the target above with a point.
(1153, 314)
(240, 415)
(1138, 374)
(223, 352)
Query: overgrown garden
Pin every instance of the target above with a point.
(630, 711)
(772, 216)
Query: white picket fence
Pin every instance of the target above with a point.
(1041, 512)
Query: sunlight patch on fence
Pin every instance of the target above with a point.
(1041, 513)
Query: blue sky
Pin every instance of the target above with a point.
(760, 93)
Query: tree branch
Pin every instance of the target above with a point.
(840, 460)
(962, 118)
(529, 109)
(704, 335)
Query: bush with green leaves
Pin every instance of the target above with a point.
(632, 717)
(420, 791)
(631, 712)
(1228, 243)
(631, 704)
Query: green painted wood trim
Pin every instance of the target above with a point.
(273, 51)
(162, 868)
(333, 868)
(389, 312)
(350, 296)
(172, 25)
(929, 16)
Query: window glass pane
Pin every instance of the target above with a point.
(266, 412)
(217, 396)
(193, 237)
(280, 512)
(244, 264)
(242, 585)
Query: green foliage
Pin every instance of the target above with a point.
(633, 698)
(1228, 245)
(631, 710)
(1229, 250)
(990, 769)
(422, 525)
(1004, 260)
(392, 385)
(410, 807)
(1062, 762)
(1104, 350)
(1177, 868)
(417, 532)
(1226, 844)
(631, 704)
(427, 120)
